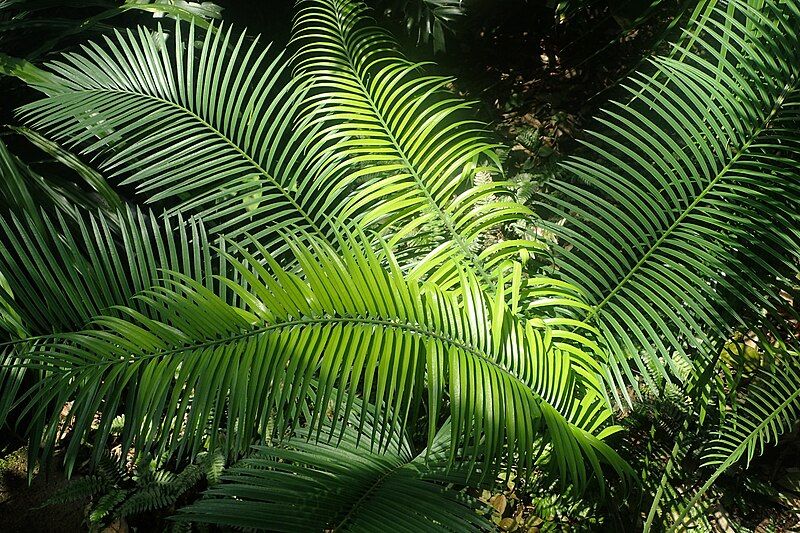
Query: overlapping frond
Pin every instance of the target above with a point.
(63, 273)
(684, 222)
(203, 367)
(207, 132)
(770, 408)
(58, 274)
(91, 191)
(300, 485)
(15, 185)
(404, 145)
(410, 157)
(33, 28)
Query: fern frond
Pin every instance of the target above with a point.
(105, 505)
(79, 489)
(161, 492)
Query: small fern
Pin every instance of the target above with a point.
(119, 493)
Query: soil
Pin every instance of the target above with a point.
(20, 502)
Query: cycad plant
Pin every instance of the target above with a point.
(298, 259)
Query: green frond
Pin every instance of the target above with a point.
(300, 485)
(402, 143)
(106, 503)
(159, 491)
(203, 367)
(110, 200)
(120, 491)
(213, 465)
(684, 222)
(34, 28)
(198, 12)
(770, 409)
(428, 19)
(15, 185)
(237, 164)
(62, 274)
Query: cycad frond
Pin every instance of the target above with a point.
(400, 143)
(211, 135)
(686, 218)
(91, 191)
(395, 131)
(203, 366)
(770, 409)
(306, 486)
(15, 193)
(65, 272)
(57, 275)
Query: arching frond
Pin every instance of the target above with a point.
(31, 28)
(205, 131)
(685, 218)
(401, 142)
(57, 275)
(306, 486)
(15, 185)
(204, 367)
(98, 193)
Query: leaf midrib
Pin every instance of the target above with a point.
(317, 321)
(368, 493)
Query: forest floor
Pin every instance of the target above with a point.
(20, 502)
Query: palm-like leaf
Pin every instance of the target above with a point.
(383, 123)
(100, 195)
(305, 486)
(770, 409)
(61, 275)
(400, 143)
(357, 328)
(15, 185)
(687, 221)
(231, 110)
(132, 99)
(33, 28)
